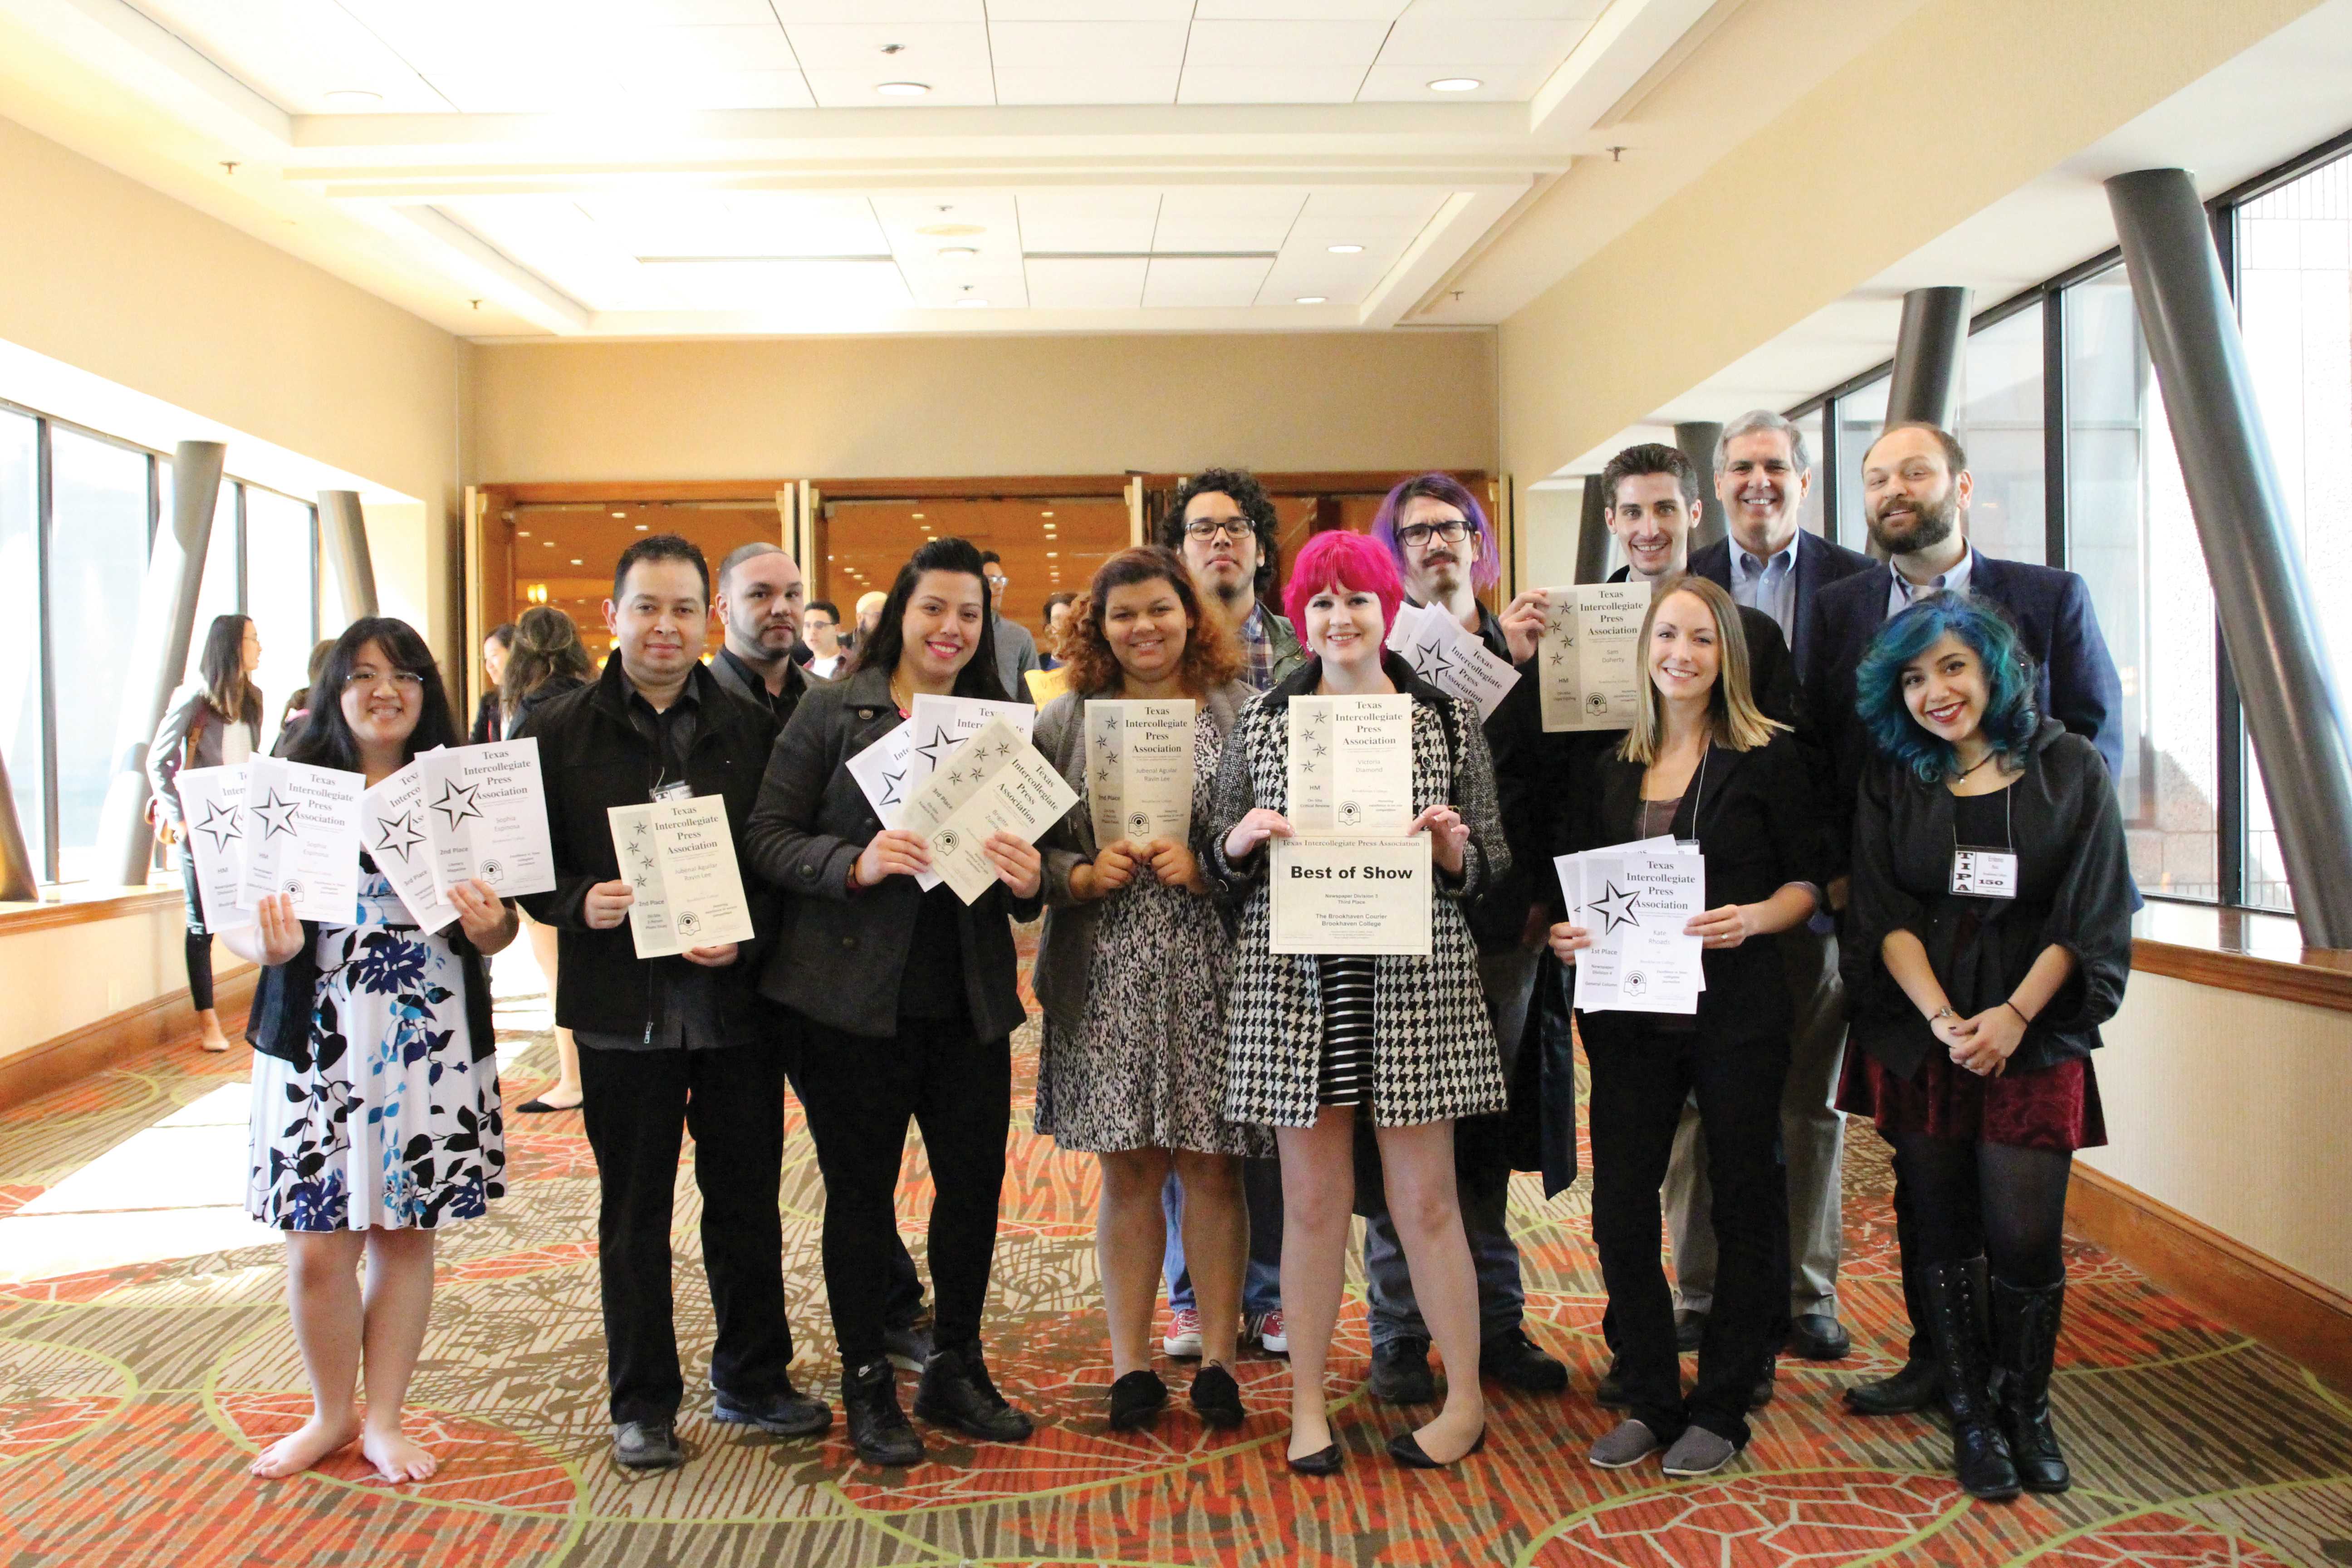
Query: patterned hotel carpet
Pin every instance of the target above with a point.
(132, 1398)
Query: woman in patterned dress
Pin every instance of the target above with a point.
(375, 1092)
(1131, 976)
(1405, 1039)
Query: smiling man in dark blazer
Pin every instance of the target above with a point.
(1915, 488)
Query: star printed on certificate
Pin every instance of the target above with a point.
(456, 802)
(277, 817)
(890, 783)
(1619, 909)
(1430, 661)
(929, 750)
(399, 834)
(220, 821)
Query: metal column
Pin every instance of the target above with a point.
(2268, 622)
(20, 879)
(1592, 534)
(1696, 438)
(342, 531)
(159, 655)
(1927, 373)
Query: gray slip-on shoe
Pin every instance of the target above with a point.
(1698, 1452)
(1629, 1444)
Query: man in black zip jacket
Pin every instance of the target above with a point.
(668, 1044)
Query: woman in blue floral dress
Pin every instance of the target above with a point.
(375, 1093)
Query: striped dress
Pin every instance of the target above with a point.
(1345, 1074)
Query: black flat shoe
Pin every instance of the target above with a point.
(957, 1391)
(536, 1107)
(1322, 1462)
(1405, 1449)
(648, 1446)
(1217, 1397)
(786, 1413)
(1136, 1400)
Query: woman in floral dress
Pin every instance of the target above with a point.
(375, 1094)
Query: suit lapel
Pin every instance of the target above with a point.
(1801, 612)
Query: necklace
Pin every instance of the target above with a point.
(903, 704)
(1981, 761)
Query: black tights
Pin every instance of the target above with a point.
(2009, 1203)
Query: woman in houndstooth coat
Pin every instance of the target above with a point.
(1317, 1041)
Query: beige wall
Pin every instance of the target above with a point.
(1961, 103)
(900, 408)
(59, 979)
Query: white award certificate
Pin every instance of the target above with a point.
(640, 863)
(995, 782)
(1350, 895)
(302, 827)
(881, 772)
(211, 800)
(1310, 798)
(937, 725)
(486, 817)
(1371, 771)
(1450, 659)
(1140, 769)
(392, 830)
(686, 885)
(1587, 660)
(1635, 899)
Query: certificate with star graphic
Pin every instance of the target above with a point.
(678, 858)
(486, 817)
(995, 781)
(1450, 659)
(302, 827)
(937, 725)
(1635, 899)
(1350, 766)
(1588, 661)
(391, 831)
(1139, 769)
(881, 771)
(211, 800)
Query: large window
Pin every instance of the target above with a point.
(78, 513)
(2000, 425)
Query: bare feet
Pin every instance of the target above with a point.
(397, 1460)
(298, 1451)
(1449, 1436)
(209, 1026)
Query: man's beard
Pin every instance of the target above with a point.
(753, 637)
(1933, 521)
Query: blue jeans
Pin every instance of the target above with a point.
(1262, 1282)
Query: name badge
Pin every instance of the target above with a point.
(1982, 873)
(678, 789)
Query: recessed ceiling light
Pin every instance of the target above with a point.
(1045, 514)
(575, 561)
(1456, 84)
(550, 543)
(643, 528)
(1051, 553)
(1344, 249)
(620, 514)
(1312, 300)
(353, 98)
(903, 89)
(969, 304)
(522, 533)
(959, 251)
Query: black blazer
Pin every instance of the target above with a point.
(2074, 891)
(1819, 563)
(2074, 678)
(841, 955)
(487, 721)
(1772, 673)
(1758, 825)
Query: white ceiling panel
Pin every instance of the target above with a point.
(1508, 10)
(938, 279)
(1090, 219)
(730, 89)
(1000, 11)
(1113, 283)
(1380, 205)
(1303, 10)
(294, 54)
(792, 288)
(563, 244)
(1304, 46)
(793, 13)
(740, 224)
(1085, 48)
(1117, 84)
(1513, 83)
(1247, 84)
(697, 13)
(837, 87)
(1226, 218)
(1440, 40)
(707, 48)
(1203, 281)
(926, 45)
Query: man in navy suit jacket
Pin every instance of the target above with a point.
(1915, 487)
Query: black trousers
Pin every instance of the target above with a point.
(1640, 1079)
(860, 1094)
(199, 942)
(637, 1106)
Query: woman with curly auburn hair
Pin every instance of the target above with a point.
(1990, 937)
(1131, 974)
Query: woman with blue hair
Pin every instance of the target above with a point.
(1990, 938)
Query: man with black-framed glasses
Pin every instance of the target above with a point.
(1016, 650)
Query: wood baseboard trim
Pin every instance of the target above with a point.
(2286, 1310)
(94, 1048)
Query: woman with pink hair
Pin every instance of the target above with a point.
(1305, 1054)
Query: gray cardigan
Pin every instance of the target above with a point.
(1066, 950)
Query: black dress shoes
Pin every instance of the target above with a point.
(879, 1429)
(647, 1445)
(1518, 1361)
(1918, 1386)
(1817, 1336)
(1400, 1373)
(1217, 1397)
(1610, 1391)
(1325, 1461)
(787, 1412)
(957, 1391)
(1137, 1399)
(1406, 1451)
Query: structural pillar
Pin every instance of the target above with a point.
(344, 531)
(20, 879)
(1925, 380)
(159, 654)
(1592, 534)
(1696, 438)
(2268, 621)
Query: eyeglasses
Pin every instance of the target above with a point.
(995, 582)
(1414, 536)
(1207, 528)
(366, 680)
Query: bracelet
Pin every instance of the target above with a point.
(2018, 1011)
(1944, 1011)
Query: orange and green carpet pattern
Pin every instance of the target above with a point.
(132, 1397)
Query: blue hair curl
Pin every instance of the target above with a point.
(2010, 720)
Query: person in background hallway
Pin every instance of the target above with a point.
(1130, 975)
(1058, 609)
(869, 612)
(488, 719)
(670, 1045)
(1306, 1057)
(545, 660)
(1223, 523)
(1762, 475)
(906, 1005)
(375, 1081)
(1436, 533)
(1701, 762)
(1979, 981)
(298, 703)
(1016, 650)
(213, 721)
(821, 631)
(1916, 487)
(758, 604)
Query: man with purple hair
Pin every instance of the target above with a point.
(1444, 551)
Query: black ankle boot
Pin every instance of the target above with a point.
(878, 1427)
(1980, 1455)
(2025, 1343)
(956, 1392)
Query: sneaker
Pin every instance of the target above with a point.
(1183, 1339)
(1698, 1452)
(1610, 1391)
(1401, 1373)
(1266, 1329)
(957, 1391)
(1517, 1360)
(908, 1347)
(1629, 1444)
